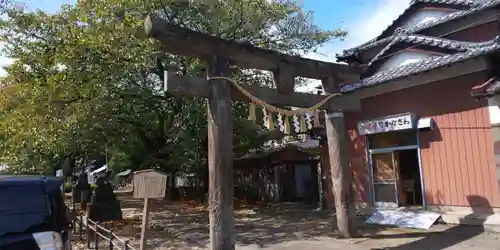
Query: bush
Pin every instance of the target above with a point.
(68, 186)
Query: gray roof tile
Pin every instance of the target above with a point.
(424, 65)
(465, 3)
(477, 6)
(437, 42)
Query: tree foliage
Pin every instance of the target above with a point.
(86, 81)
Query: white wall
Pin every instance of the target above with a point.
(494, 109)
(423, 16)
(403, 58)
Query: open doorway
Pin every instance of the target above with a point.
(395, 169)
(409, 181)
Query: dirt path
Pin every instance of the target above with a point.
(184, 225)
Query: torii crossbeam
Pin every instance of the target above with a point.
(219, 54)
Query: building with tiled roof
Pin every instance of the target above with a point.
(429, 115)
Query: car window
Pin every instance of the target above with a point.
(23, 208)
(22, 199)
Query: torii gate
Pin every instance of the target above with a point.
(219, 54)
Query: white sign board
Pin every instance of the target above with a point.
(421, 220)
(408, 219)
(387, 124)
(150, 184)
(384, 217)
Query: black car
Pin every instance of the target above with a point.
(33, 215)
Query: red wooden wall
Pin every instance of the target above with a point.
(457, 157)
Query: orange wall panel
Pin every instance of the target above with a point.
(457, 157)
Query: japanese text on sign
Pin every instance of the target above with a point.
(149, 184)
(387, 124)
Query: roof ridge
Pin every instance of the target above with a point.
(424, 65)
(384, 50)
(452, 16)
(461, 2)
(417, 39)
(467, 3)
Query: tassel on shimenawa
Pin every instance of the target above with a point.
(251, 112)
(270, 122)
(316, 118)
(287, 126)
(303, 126)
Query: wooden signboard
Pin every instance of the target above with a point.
(148, 184)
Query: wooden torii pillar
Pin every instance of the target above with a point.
(219, 54)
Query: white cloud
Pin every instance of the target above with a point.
(368, 27)
(364, 26)
(4, 61)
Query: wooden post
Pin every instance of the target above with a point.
(73, 203)
(80, 226)
(320, 184)
(73, 222)
(220, 158)
(87, 229)
(148, 184)
(110, 245)
(96, 236)
(83, 200)
(340, 172)
(145, 224)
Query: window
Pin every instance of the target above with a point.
(22, 199)
(23, 207)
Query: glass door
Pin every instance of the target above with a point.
(385, 179)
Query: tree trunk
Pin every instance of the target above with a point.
(172, 192)
(341, 173)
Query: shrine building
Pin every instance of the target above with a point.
(434, 143)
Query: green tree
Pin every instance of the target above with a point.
(86, 79)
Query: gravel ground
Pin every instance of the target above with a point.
(184, 225)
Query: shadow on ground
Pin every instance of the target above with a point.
(458, 236)
(432, 240)
(184, 225)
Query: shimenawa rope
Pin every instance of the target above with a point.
(269, 109)
(272, 108)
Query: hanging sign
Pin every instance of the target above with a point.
(387, 124)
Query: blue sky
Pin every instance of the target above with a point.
(363, 19)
